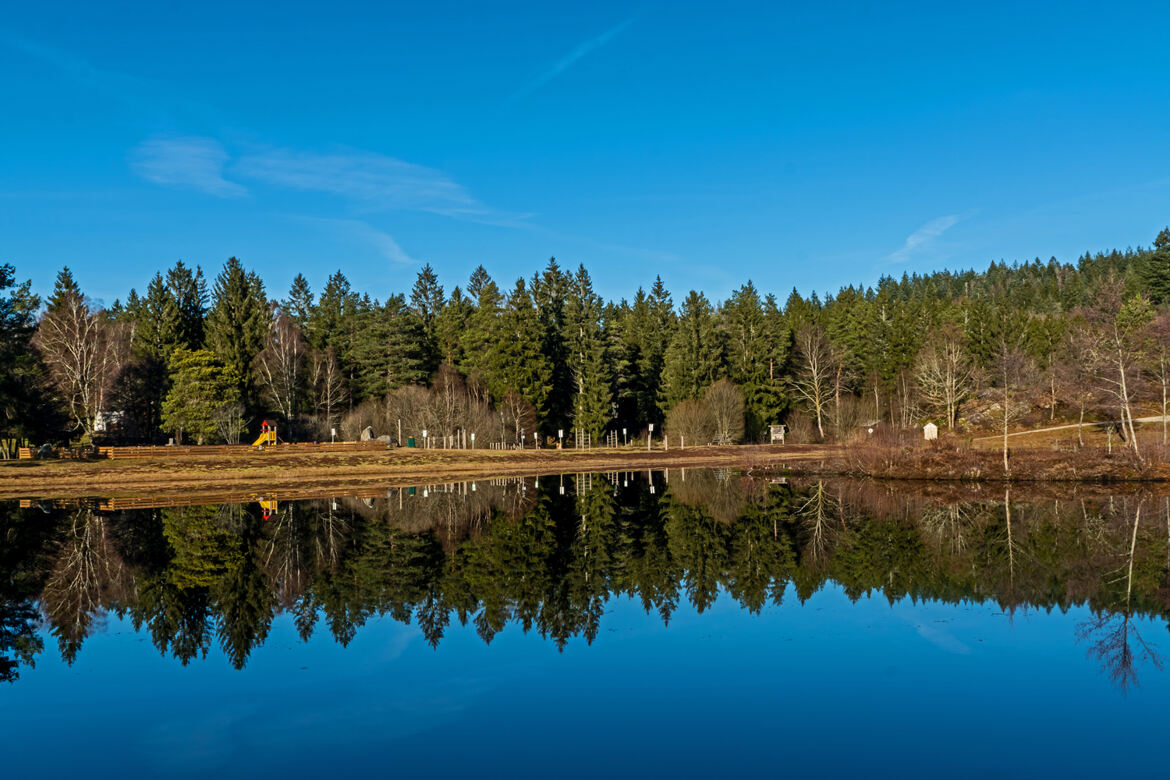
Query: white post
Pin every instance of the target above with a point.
(649, 439)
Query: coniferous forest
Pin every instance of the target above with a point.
(200, 358)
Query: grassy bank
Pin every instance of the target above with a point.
(272, 470)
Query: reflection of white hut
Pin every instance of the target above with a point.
(930, 431)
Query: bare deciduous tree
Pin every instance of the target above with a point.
(1011, 370)
(724, 402)
(84, 352)
(280, 366)
(328, 385)
(814, 380)
(690, 421)
(944, 373)
(1121, 346)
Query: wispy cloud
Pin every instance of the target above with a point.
(923, 238)
(570, 59)
(187, 162)
(374, 179)
(364, 232)
(370, 181)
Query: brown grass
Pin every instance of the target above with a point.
(274, 470)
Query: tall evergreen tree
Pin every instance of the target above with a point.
(754, 346)
(1155, 270)
(23, 407)
(450, 324)
(586, 351)
(299, 303)
(515, 359)
(238, 322)
(695, 357)
(389, 349)
(549, 291)
(426, 302)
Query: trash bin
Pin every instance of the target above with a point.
(409, 441)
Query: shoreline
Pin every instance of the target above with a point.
(273, 472)
(277, 471)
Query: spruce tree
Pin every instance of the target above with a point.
(587, 357)
(388, 351)
(660, 326)
(515, 361)
(754, 346)
(238, 322)
(1155, 271)
(549, 291)
(479, 337)
(202, 386)
(695, 357)
(299, 303)
(426, 302)
(24, 411)
(450, 324)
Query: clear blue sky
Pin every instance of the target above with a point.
(808, 145)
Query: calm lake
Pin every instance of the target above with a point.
(693, 623)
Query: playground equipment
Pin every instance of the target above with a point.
(267, 434)
(268, 507)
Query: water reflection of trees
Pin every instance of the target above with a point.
(513, 552)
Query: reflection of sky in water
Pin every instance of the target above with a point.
(828, 687)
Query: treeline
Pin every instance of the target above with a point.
(202, 361)
(501, 558)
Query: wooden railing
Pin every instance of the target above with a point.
(174, 451)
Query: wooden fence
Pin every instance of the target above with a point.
(178, 451)
(121, 453)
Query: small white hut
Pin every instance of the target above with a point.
(776, 434)
(930, 431)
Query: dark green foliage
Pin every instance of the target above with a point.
(389, 349)
(299, 303)
(202, 387)
(586, 343)
(695, 357)
(1155, 271)
(25, 412)
(238, 323)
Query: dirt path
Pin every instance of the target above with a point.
(1069, 427)
(273, 470)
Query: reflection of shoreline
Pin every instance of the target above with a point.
(546, 554)
(265, 472)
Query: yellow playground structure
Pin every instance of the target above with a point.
(267, 434)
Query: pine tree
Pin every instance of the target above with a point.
(202, 386)
(23, 411)
(478, 339)
(238, 322)
(753, 347)
(586, 352)
(695, 357)
(1155, 271)
(299, 303)
(549, 290)
(479, 279)
(450, 324)
(388, 351)
(660, 326)
(426, 302)
(333, 326)
(515, 361)
(188, 305)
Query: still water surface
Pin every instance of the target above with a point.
(605, 624)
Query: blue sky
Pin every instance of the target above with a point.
(806, 145)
